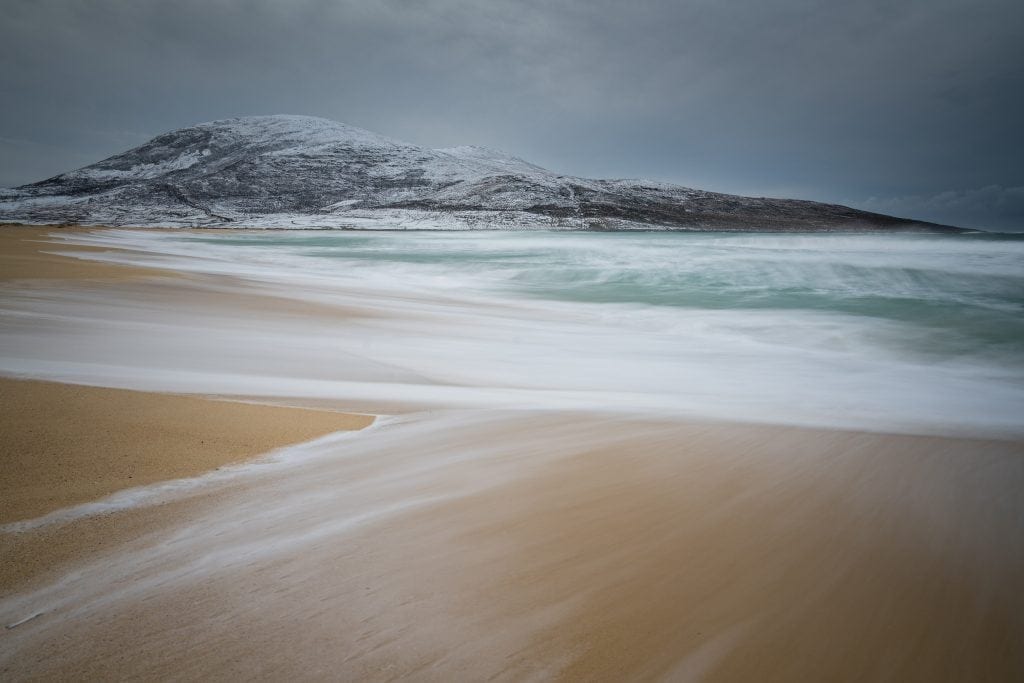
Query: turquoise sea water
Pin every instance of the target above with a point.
(912, 333)
(942, 296)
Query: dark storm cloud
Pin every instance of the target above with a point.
(886, 105)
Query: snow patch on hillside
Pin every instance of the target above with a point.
(307, 172)
(141, 171)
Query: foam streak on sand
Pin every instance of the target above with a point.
(518, 544)
(69, 445)
(546, 505)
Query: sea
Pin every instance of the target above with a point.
(920, 333)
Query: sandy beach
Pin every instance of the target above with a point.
(64, 444)
(642, 551)
(463, 543)
(26, 252)
(67, 444)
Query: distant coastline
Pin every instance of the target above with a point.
(307, 172)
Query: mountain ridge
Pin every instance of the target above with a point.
(300, 171)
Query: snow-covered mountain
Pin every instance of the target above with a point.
(300, 171)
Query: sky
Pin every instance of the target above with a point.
(908, 107)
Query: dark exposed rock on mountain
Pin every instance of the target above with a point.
(297, 171)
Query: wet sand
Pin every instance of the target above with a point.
(552, 545)
(569, 547)
(64, 444)
(25, 255)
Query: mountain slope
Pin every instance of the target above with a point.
(299, 171)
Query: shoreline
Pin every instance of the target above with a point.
(561, 544)
(65, 444)
(944, 230)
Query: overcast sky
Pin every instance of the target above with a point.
(909, 107)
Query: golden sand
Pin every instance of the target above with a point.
(677, 552)
(562, 547)
(63, 444)
(24, 256)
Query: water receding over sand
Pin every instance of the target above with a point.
(595, 490)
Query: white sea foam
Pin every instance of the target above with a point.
(843, 331)
(362, 477)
